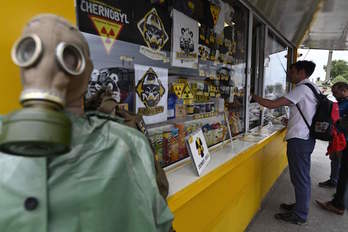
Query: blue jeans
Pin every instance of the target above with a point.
(335, 169)
(299, 158)
(342, 185)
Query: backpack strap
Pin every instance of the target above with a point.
(316, 95)
(298, 107)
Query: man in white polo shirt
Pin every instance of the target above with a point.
(299, 143)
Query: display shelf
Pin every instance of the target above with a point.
(186, 119)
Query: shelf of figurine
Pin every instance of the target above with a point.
(191, 99)
(169, 141)
(192, 104)
(215, 51)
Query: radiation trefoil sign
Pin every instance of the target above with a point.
(198, 149)
(107, 30)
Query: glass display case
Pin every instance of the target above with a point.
(179, 64)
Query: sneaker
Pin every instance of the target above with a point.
(327, 184)
(330, 207)
(287, 207)
(290, 217)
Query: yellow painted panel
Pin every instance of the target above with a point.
(14, 15)
(185, 195)
(228, 198)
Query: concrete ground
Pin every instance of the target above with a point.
(282, 191)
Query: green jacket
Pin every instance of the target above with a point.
(106, 183)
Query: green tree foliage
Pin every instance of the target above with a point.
(339, 78)
(338, 67)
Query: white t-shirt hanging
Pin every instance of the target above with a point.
(185, 41)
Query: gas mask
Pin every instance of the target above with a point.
(55, 66)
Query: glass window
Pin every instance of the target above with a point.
(236, 100)
(275, 68)
(256, 78)
(179, 64)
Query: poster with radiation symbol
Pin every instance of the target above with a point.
(198, 149)
(107, 30)
(151, 93)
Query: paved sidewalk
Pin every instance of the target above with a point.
(319, 220)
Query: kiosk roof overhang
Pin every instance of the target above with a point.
(318, 24)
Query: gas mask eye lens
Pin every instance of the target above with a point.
(27, 50)
(70, 58)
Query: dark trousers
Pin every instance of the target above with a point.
(341, 189)
(299, 158)
(335, 169)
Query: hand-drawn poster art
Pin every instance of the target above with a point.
(155, 36)
(152, 91)
(115, 83)
(184, 41)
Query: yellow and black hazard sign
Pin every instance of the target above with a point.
(199, 147)
(187, 93)
(107, 30)
(178, 89)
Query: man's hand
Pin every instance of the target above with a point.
(254, 97)
(285, 121)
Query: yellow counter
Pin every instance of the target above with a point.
(227, 198)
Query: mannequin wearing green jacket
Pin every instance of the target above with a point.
(106, 182)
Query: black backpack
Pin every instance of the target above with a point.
(322, 123)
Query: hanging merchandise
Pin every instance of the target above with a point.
(204, 50)
(154, 34)
(225, 15)
(228, 58)
(229, 43)
(152, 91)
(214, 52)
(184, 41)
(215, 12)
(187, 7)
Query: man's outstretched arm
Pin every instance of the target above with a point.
(272, 104)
